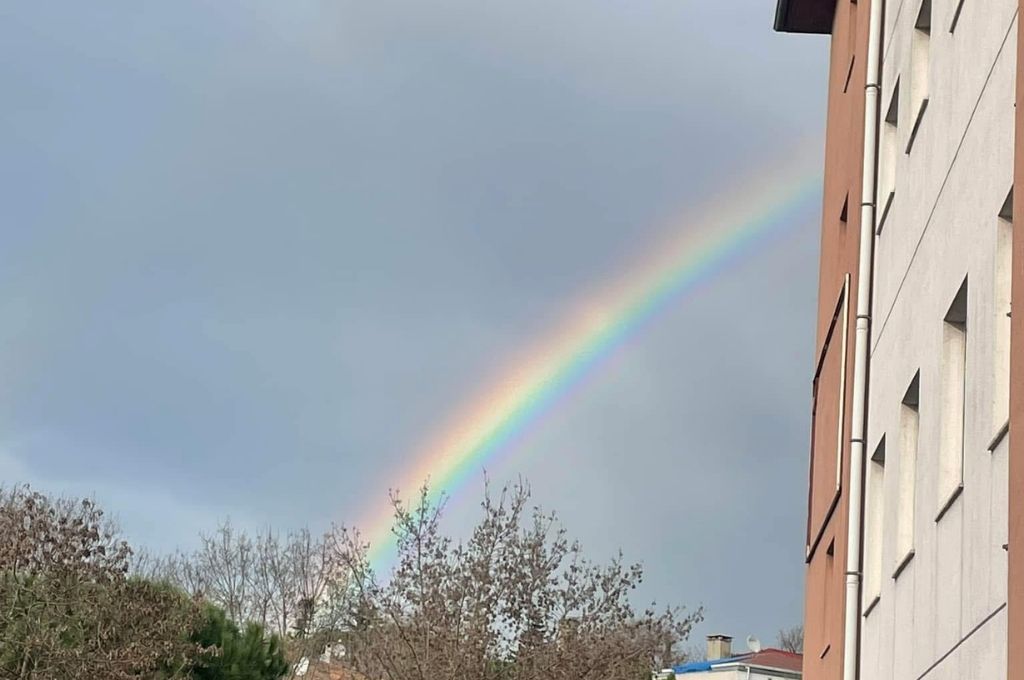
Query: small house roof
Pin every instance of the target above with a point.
(766, 658)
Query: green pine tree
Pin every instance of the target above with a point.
(235, 654)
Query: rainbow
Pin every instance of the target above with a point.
(732, 227)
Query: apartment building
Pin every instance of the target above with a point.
(916, 487)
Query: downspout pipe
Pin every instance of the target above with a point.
(862, 341)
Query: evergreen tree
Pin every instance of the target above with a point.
(235, 654)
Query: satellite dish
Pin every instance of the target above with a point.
(753, 644)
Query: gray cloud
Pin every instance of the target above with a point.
(257, 252)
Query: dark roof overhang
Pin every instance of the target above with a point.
(804, 16)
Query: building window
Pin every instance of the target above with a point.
(920, 53)
(852, 31)
(830, 594)
(906, 470)
(827, 417)
(956, 15)
(954, 381)
(875, 516)
(887, 157)
(1004, 248)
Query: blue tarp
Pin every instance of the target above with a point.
(698, 666)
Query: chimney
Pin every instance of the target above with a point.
(719, 647)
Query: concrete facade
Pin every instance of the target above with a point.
(934, 599)
(942, 590)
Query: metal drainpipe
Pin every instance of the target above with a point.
(858, 425)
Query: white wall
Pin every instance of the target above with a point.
(942, 226)
(739, 673)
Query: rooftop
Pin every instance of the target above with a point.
(776, 659)
(804, 16)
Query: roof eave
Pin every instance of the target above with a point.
(758, 668)
(804, 16)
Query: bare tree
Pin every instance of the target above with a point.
(792, 639)
(176, 569)
(695, 652)
(264, 591)
(313, 563)
(68, 608)
(284, 583)
(517, 601)
(226, 562)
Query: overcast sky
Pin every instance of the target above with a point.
(254, 253)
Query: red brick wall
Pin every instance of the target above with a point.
(825, 576)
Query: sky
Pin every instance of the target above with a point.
(255, 253)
